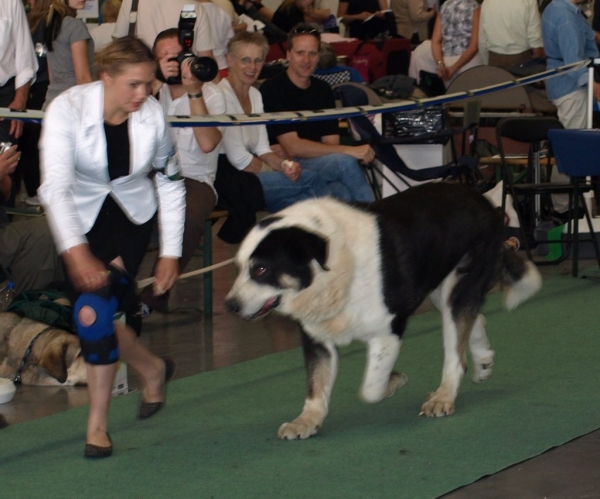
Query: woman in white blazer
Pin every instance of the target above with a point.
(107, 166)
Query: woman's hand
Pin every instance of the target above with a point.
(85, 271)
(165, 273)
(9, 160)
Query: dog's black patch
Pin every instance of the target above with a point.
(287, 251)
(265, 222)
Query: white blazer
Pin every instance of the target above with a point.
(74, 167)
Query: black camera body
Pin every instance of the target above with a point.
(203, 68)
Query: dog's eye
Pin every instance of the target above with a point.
(258, 270)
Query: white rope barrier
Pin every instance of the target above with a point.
(329, 114)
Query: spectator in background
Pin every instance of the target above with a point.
(316, 145)
(328, 69)
(28, 170)
(247, 147)
(453, 45)
(102, 34)
(292, 12)
(70, 48)
(227, 7)
(569, 38)
(197, 147)
(354, 13)
(510, 32)
(412, 17)
(18, 65)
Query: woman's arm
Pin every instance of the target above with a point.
(470, 51)
(436, 47)
(81, 62)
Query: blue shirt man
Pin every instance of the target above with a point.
(568, 38)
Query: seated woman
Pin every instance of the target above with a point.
(354, 13)
(293, 12)
(454, 43)
(247, 147)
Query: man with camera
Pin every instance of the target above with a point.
(183, 88)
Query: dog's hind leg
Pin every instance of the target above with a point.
(380, 381)
(483, 355)
(456, 329)
(321, 369)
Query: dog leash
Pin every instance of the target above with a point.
(17, 377)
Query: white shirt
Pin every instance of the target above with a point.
(509, 27)
(222, 32)
(102, 35)
(154, 16)
(194, 163)
(227, 7)
(241, 143)
(74, 167)
(17, 56)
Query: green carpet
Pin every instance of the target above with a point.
(217, 436)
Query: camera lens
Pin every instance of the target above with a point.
(204, 68)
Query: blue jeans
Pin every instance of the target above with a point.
(343, 175)
(280, 192)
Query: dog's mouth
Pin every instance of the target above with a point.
(269, 305)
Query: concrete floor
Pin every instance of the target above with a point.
(570, 471)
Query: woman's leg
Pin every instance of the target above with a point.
(100, 381)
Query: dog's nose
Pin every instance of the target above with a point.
(233, 305)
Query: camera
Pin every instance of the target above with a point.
(4, 146)
(203, 68)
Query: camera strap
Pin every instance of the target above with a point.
(133, 17)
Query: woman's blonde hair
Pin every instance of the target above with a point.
(123, 52)
(59, 9)
(248, 38)
(38, 13)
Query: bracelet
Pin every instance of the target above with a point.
(440, 64)
(195, 96)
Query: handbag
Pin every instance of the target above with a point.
(414, 124)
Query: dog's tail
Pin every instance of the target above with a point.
(521, 276)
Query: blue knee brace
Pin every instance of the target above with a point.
(98, 341)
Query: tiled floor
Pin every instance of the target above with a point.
(571, 471)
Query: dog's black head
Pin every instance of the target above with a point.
(280, 263)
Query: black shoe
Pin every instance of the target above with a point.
(94, 451)
(149, 409)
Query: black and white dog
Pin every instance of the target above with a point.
(347, 273)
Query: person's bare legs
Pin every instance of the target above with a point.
(100, 383)
(148, 366)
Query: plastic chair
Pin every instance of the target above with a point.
(534, 131)
(577, 153)
(463, 167)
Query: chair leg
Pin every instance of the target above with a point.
(207, 277)
(592, 233)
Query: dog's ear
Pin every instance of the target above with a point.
(314, 246)
(53, 360)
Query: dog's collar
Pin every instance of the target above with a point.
(17, 377)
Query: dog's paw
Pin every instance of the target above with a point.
(436, 406)
(397, 380)
(482, 370)
(299, 429)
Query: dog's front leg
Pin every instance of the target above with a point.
(380, 381)
(321, 369)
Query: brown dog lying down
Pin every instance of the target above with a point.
(55, 356)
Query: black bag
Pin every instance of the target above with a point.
(415, 123)
(394, 86)
(431, 84)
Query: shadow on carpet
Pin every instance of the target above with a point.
(217, 436)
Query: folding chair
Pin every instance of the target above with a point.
(577, 153)
(462, 167)
(534, 131)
